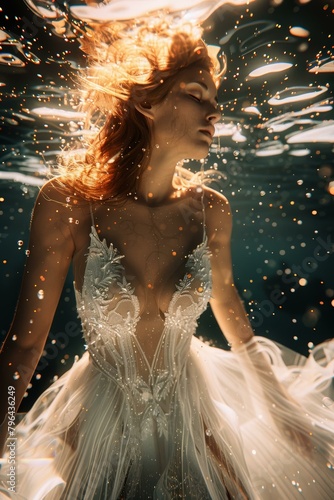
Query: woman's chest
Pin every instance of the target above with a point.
(155, 244)
(154, 280)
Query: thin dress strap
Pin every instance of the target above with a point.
(202, 201)
(91, 215)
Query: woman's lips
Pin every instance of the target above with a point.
(208, 133)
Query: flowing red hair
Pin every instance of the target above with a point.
(126, 67)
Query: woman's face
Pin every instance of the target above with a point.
(183, 123)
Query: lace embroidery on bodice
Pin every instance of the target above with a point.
(109, 311)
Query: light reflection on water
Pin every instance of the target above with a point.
(274, 145)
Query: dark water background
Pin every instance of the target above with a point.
(281, 189)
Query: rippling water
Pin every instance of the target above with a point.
(274, 147)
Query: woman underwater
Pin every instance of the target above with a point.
(150, 411)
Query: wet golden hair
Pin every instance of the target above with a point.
(127, 67)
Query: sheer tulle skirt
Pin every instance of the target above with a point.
(227, 433)
(279, 465)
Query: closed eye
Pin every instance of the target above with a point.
(198, 99)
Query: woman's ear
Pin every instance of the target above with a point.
(145, 109)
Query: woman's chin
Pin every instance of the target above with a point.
(199, 152)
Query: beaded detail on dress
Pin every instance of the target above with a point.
(109, 311)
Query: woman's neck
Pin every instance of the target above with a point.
(156, 183)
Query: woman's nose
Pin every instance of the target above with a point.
(214, 115)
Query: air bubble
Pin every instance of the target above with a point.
(40, 294)
(326, 401)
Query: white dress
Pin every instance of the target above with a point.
(190, 423)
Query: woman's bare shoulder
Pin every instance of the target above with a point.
(59, 208)
(218, 214)
(57, 193)
(59, 190)
(216, 199)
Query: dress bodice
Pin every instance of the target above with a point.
(110, 313)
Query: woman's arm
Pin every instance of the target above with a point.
(233, 321)
(50, 251)
(225, 302)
